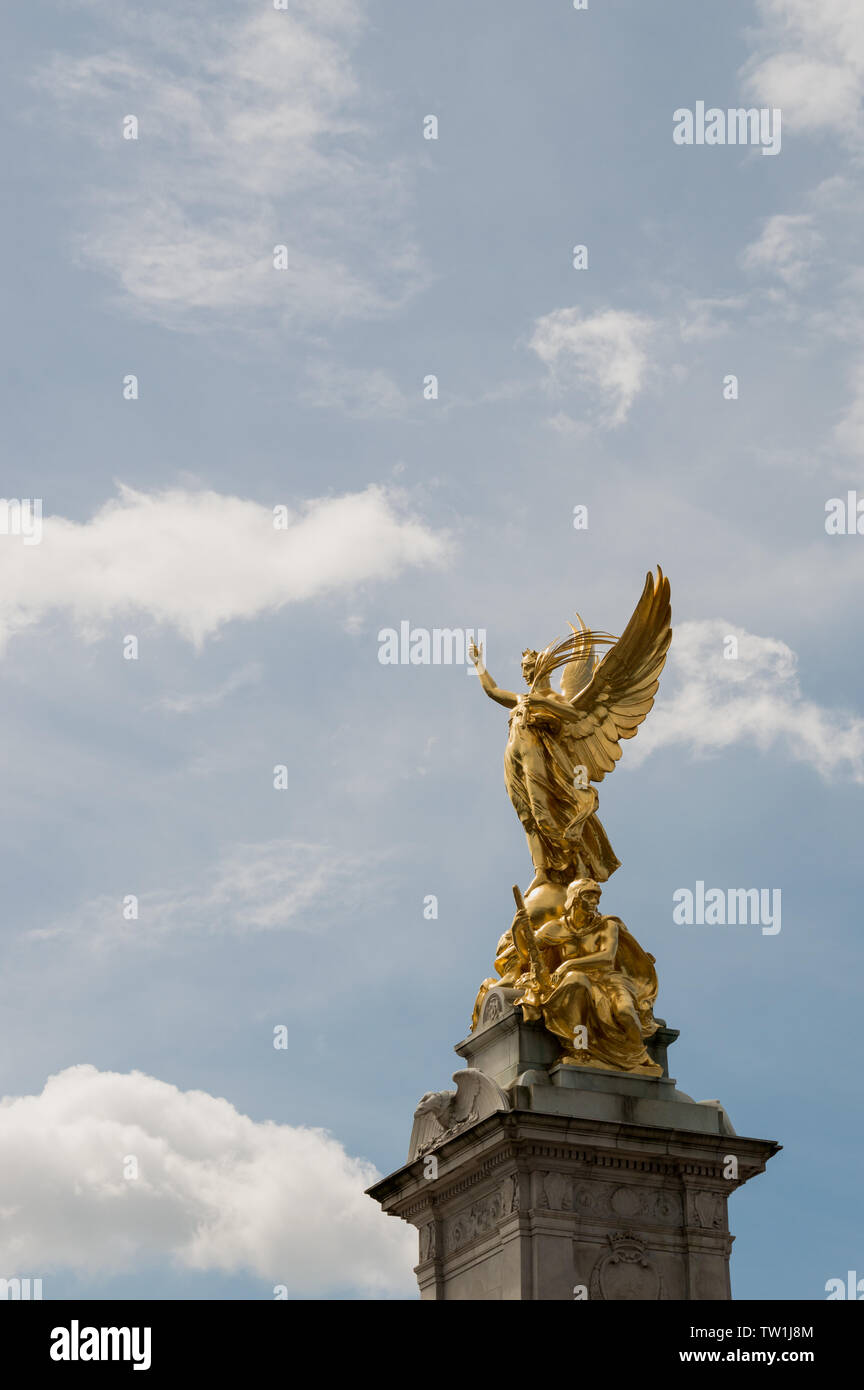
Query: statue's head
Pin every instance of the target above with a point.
(583, 897)
(529, 664)
(434, 1103)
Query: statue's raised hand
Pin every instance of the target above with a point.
(475, 652)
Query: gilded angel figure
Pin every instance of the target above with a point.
(562, 742)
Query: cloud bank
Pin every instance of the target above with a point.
(215, 1190)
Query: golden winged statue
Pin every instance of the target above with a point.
(563, 962)
(560, 743)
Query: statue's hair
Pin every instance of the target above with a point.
(529, 651)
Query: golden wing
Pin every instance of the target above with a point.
(578, 672)
(622, 687)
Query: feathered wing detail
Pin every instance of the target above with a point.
(577, 673)
(621, 690)
(443, 1113)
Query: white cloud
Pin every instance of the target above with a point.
(250, 136)
(809, 61)
(215, 1191)
(785, 247)
(250, 887)
(602, 353)
(711, 703)
(196, 560)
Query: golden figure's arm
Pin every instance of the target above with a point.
(561, 935)
(555, 933)
(503, 697)
(552, 702)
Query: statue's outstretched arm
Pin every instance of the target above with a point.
(502, 697)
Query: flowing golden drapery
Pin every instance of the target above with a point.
(539, 772)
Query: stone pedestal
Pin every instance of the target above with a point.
(566, 1182)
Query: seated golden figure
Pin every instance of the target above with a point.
(587, 979)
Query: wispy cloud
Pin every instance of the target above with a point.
(706, 318)
(250, 888)
(785, 247)
(252, 134)
(358, 391)
(245, 676)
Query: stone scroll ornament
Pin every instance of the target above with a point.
(579, 972)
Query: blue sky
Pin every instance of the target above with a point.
(303, 388)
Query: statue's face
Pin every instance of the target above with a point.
(529, 665)
(587, 902)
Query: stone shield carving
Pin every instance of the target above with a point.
(625, 1273)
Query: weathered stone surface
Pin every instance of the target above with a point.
(592, 1184)
(522, 1059)
(527, 1205)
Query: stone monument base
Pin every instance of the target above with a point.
(537, 1180)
